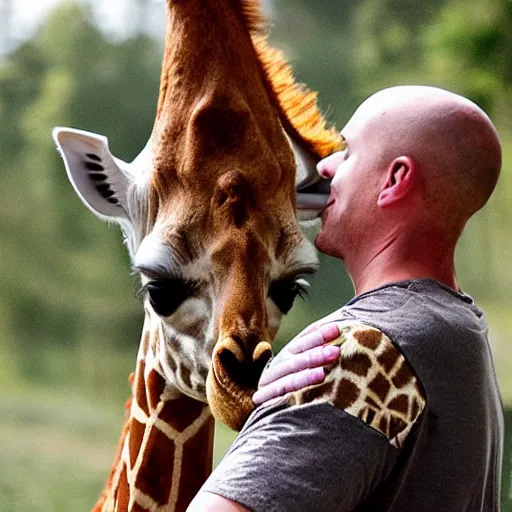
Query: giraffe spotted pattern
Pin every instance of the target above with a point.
(372, 381)
(155, 471)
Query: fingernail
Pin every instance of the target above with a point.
(315, 376)
(329, 331)
(256, 398)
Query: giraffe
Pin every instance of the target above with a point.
(208, 212)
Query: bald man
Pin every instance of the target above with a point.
(391, 402)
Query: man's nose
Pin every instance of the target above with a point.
(326, 167)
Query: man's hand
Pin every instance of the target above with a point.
(299, 364)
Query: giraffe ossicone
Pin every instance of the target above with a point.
(208, 212)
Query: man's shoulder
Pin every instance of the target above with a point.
(380, 302)
(425, 297)
(371, 380)
(413, 312)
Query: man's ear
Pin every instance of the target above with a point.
(400, 179)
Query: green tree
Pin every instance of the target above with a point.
(65, 276)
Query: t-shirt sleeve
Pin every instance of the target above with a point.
(328, 446)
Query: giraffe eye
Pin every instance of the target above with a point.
(284, 292)
(166, 296)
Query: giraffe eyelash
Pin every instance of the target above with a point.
(302, 287)
(166, 296)
(284, 291)
(168, 282)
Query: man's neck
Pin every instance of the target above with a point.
(394, 260)
(378, 279)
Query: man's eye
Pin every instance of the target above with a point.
(166, 296)
(284, 292)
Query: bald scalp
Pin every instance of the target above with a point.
(453, 142)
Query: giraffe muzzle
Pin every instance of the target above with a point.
(233, 379)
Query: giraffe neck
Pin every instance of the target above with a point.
(166, 448)
(208, 53)
(192, 33)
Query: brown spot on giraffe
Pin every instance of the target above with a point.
(380, 387)
(155, 474)
(346, 394)
(399, 404)
(369, 338)
(312, 393)
(156, 385)
(403, 376)
(201, 444)
(136, 435)
(140, 389)
(388, 358)
(123, 492)
(181, 413)
(356, 363)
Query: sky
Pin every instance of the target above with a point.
(113, 16)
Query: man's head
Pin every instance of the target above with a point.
(419, 162)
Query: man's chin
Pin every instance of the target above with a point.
(322, 243)
(327, 245)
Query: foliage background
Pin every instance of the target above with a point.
(69, 321)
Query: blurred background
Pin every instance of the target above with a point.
(69, 320)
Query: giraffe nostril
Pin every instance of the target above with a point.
(245, 371)
(234, 378)
(234, 368)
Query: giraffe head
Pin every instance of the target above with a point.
(208, 208)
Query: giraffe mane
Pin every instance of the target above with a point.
(296, 104)
(252, 15)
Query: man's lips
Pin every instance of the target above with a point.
(329, 203)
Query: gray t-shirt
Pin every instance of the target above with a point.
(409, 419)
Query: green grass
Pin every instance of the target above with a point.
(55, 453)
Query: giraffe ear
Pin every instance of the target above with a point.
(96, 175)
(312, 191)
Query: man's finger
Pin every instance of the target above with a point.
(318, 356)
(289, 383)
(323, 334)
